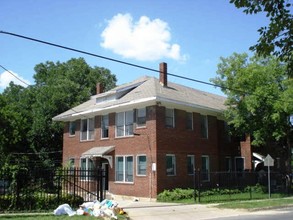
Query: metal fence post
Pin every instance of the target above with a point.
(194, 184)
(101, 184)
(198, 183)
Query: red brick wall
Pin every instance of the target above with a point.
(135, 145)
(246, 153)
(154, 140)
(183, 142)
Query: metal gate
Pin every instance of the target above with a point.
(90, 184)
(25, 188)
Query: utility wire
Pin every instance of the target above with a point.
(117, 61)
(14, 75)
(27, 83)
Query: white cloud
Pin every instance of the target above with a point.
(6, 77)
(142, 40)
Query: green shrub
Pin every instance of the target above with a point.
(38, 202)
(175, 195)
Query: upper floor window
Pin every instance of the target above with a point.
(141, 162)
(124, 123)
(169, 118)
(204, 126)
(72, 127)
(141, 117)
(87, 129)
(190, 164)
(189, 120)
(105, 126)
(170, 165)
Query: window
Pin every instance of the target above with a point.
(87, 129)
(86, 169)
(205, 168)
(204, 126)
(170, 165)
(189, 121)
(190, 164)
(124, 123)
(71, 165)
(72, 127)
(124, 168)
(169, 118)
(228, 164)
(141, 117)
(141, 162)
(105, 126)
(239, 166)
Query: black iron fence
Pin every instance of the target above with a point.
(227, 186)
(45, 189)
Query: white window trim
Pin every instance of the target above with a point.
(72, 135)
(207, 126)
(175, 170)
(124, 125)
(124, 169)
(173, 117)
(192, 156)
(208, 165)
(87, 130)
(136, 118)
(137, 156)
(102, 127)
(191, 121)
(86, 178)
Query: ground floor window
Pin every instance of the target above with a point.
(124, 168)
(170, 165)
(228, 164)
(239, 166)
(141, 163)
(190, 164)
(86, 168)
(205, 168)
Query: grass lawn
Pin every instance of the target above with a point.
(258, 204)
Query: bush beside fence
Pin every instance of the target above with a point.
(40, 189)
(229, 186)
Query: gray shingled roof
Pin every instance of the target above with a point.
(146, 89)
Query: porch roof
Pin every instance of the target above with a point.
(98, 151)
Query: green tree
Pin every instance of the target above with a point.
(61, 86)
(277, 37)
(259, 98)
(26, 113)
(15, 118)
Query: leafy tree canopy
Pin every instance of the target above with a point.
(260, 97)
(27, 129)
(277, 37)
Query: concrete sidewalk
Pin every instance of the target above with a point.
(145, 210)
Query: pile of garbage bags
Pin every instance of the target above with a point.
(106, 208)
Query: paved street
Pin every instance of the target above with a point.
(145, 210)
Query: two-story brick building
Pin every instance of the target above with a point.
(150, 134)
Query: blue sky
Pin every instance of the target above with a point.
(189, 35)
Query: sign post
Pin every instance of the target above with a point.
(269, 162)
